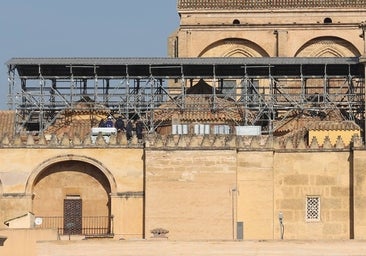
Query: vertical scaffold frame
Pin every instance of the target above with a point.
(267, 90)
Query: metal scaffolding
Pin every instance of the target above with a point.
(270, 89)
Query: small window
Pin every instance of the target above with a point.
(327, 21)
(180, 129)
(236, 22)
(201, 129)
(312, 209)
(222, 129)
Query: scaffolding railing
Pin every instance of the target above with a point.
(269, 95)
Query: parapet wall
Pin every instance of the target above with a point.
(180, 142)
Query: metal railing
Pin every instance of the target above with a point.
(272, 4)
(88, 226)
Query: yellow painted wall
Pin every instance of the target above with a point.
(188, 193)
(21, 242)
(359, 200)
(323, 174)
(203, 193)
(123, 167)
(268, 182)
(255, 194)
(320, 135)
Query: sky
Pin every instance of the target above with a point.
(83, 28)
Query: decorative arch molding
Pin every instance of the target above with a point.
(59, 159)
(238, 53)
(328, 47)
(233, 47)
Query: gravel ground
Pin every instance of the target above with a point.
(193, 248)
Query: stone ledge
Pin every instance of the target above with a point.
(210, 142)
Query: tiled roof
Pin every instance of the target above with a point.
(7, 123)
(200, 105)
(329, 125)
(306, 119)
(77, 123)
(79, 120)
(200, 108)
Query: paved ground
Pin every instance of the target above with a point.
(260, 248)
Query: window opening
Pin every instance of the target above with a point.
(201, 129)
(312, 208)
(236, 22)
(222, 129)
(328, 20)
(180, 129)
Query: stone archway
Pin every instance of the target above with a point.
(73, 196)
(233, 47)
(328, 47)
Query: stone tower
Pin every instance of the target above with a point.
(264, 28)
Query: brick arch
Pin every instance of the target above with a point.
(37, 172)
(233, 47)
(328, 47)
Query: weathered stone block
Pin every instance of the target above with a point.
(325, 180)
(295, 180)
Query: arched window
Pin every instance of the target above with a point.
(236, 22)
(327, 20)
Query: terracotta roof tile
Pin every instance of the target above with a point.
(200, 108)
(7, 123)
(299, 120)
(79, 124)
(329, 125)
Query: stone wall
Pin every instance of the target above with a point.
(255, 5)
(271, 177)
(200, 187)
(321, 174)
(278, 33)
(27, 169)
(255, 193)
(358, 175)
(188, 193)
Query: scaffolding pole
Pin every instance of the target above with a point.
(270, 93)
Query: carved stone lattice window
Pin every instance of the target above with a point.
(312, 211)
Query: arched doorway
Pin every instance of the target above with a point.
(74, 197)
